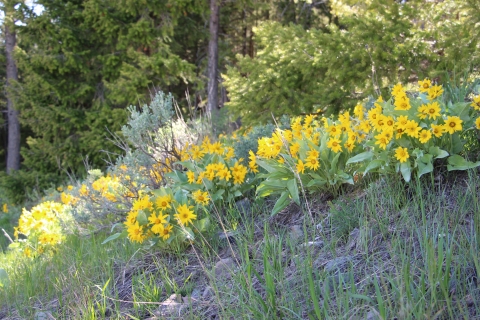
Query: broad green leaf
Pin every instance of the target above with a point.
(180, 196)
(218, 195)
(266, 166)
(333, 163)
(406, 171)
(437, 153)
(142, 218)
(361, 157)
(425, 165)
(293, 189)
(456, 162)
(457, 144)
(202, 225)
(187, 164)
(115, 236)
(237, 193)
(373, 165)
(4, 280)
(281, 203)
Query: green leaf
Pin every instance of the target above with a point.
(281, 203)
(437, 153)
(4, 280)
(360, 157)
(373, 165)
(456, 162)
(406, 171)
(115, 236)
(425, 165)
(187, 164)
(293, 189)
(180, 196)
(202, 225)
(218, 195)
(142, 218)
(237, 193)
(266, 166)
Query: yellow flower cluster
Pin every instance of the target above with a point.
(158, 215)
(107, 186)
(42, 227)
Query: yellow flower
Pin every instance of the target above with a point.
(402, 102)
(239, 172)
(165, 232)
(158, 221)
(308, 119)
(422, 111)
(401, 154)
(334, 145)
(253, 162)
(477, 124)
(294, 148)
(424, 136)
(301, 166)
(312, 163)
(191, 177)
(224, 174)
(163, 202)
(437, 130)
(334, 131)
(230, 152)
(412, 129)
(434, 92)
(135, 233)
(402, 122)
(83, 190)
(359, 111)
(433, 110)
(184, 215)
(201, 197)
(382, 140)
(398, 89)
(453, 124)
(142, 203)
(476, 103)
(5, 208)
(424, 85)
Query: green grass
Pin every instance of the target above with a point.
(388, 250)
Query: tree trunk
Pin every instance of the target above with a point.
(13, 146)
(212, 105)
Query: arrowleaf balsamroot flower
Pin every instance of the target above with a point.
(453, 124)
(477, 123)
(301, 166)
(401, 154)
(424, 136)
(424, 85)
(437, 130)
(163, 202)
(334, 145)
(201, 197)
(184, 215)
(158, 221)
(476, 103)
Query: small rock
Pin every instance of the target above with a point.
(196, 293)
(207, 293)
(296, 232)
(244, 206)
(316, 244)
(469, 300)
(336, 263)
(224, 268)
(169, 306)
(353, 239)
(372, 315)
(43, 315)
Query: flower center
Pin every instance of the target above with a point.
(452, 124)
